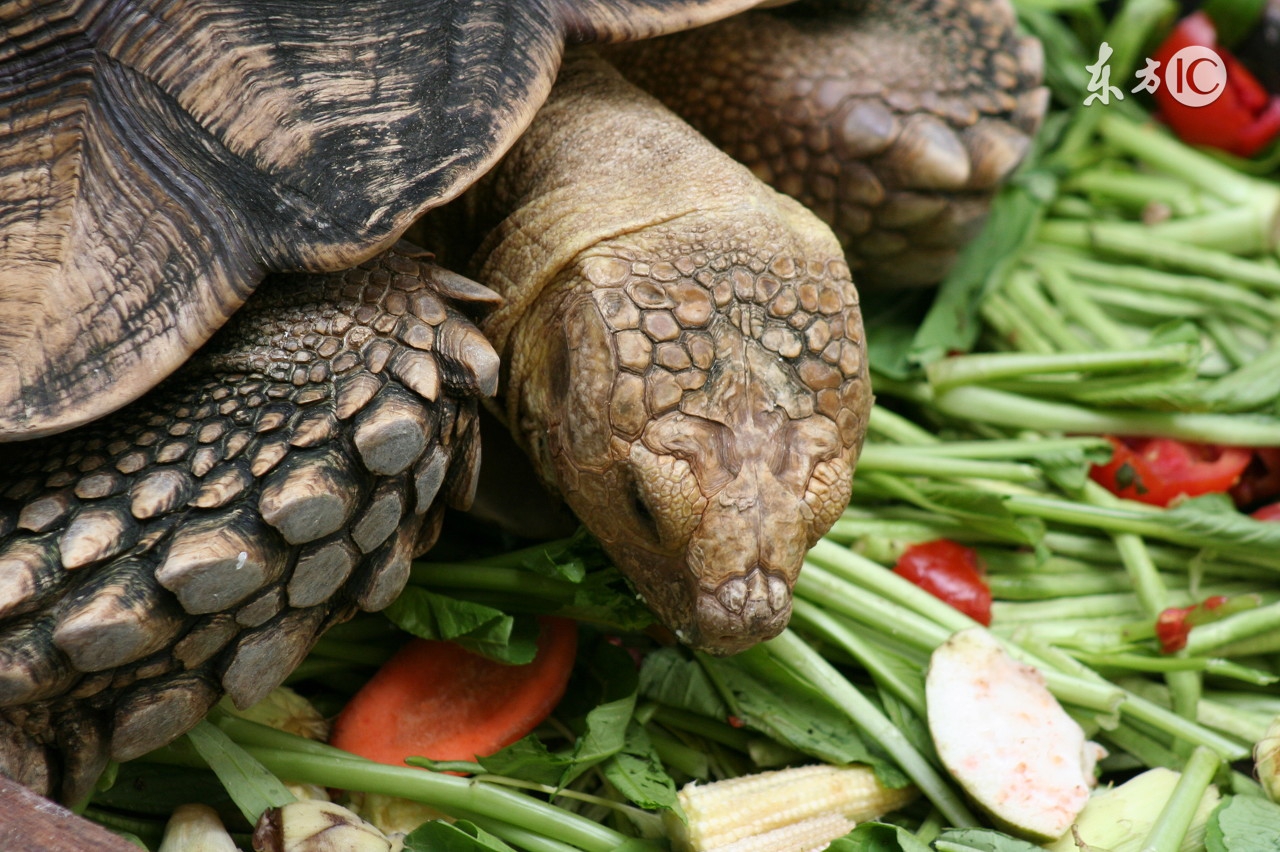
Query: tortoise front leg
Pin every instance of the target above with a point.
(199, 541)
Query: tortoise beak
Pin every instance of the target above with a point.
(741, 611)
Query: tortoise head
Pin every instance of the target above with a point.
(701, 408)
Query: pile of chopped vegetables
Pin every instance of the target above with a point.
(1075, 445)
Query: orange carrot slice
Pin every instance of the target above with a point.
(440, 701)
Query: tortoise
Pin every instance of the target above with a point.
(677, 347)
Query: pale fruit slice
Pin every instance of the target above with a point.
(1005, 739)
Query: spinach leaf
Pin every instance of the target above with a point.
(460, 836)
(1244, 824)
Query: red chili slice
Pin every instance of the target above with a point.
(1174, 624)
(950, 572)
(1242, 120)
(1160, 470)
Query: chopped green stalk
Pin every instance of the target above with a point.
(1250, 387)
(1172, 824)
(1145, 307)
(448, 792)
(1011, 449)
(1221, 711)
(680, 758)
(1130, 28)
(992, 406)
(1167, 557)
(1135, 190)
(1240, 230)
(917, 609)
(880, 532)
(1198, 288)
(353, 652)
(703, 726)
(855, 569)
(1080, 307)
(1147, 584)
(889, 459)
(1002, 316)
(514, 581)
(1024, 294)
(806, 662)
(1181, 663)
(1072, 207)
(1157, 147)
(1205, 638)
(976, 369)
(1159, 717)
(887, 617)
(899, 429)
(1149, 751)
(810, 617)
(1008, 587)
(1137, 242)
(524, 839)
(1225, 338)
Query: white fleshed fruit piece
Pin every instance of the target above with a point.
(1005, 739)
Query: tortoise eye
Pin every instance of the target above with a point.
(640, 509)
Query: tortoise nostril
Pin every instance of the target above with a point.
(757, 594)
(779, 594)
(732, 594)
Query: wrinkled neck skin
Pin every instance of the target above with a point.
(684, 358)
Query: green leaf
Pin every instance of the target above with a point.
(670, 678)
(605, 713)
(984, 511)
(460, 836)
(429, 615)
(479, 628)
(605, 597)
(768, 697)
(981, 840)
(1243, 824)
(952, 324)
(637, 773)
(890, 321)
(248, 782)
(878, 837)
(1214, 516)
(1069, 469)
(157, 789)
(527, 759)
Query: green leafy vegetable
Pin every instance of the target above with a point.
(1244, 824)
(250, 784)
(459, 836)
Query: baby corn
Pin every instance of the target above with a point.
(790, 810)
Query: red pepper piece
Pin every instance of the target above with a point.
(1174, 624)
(1172, 628)
(1243, 119)
(1159, 470)
(950, 572)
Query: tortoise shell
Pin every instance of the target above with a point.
(161, 156)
